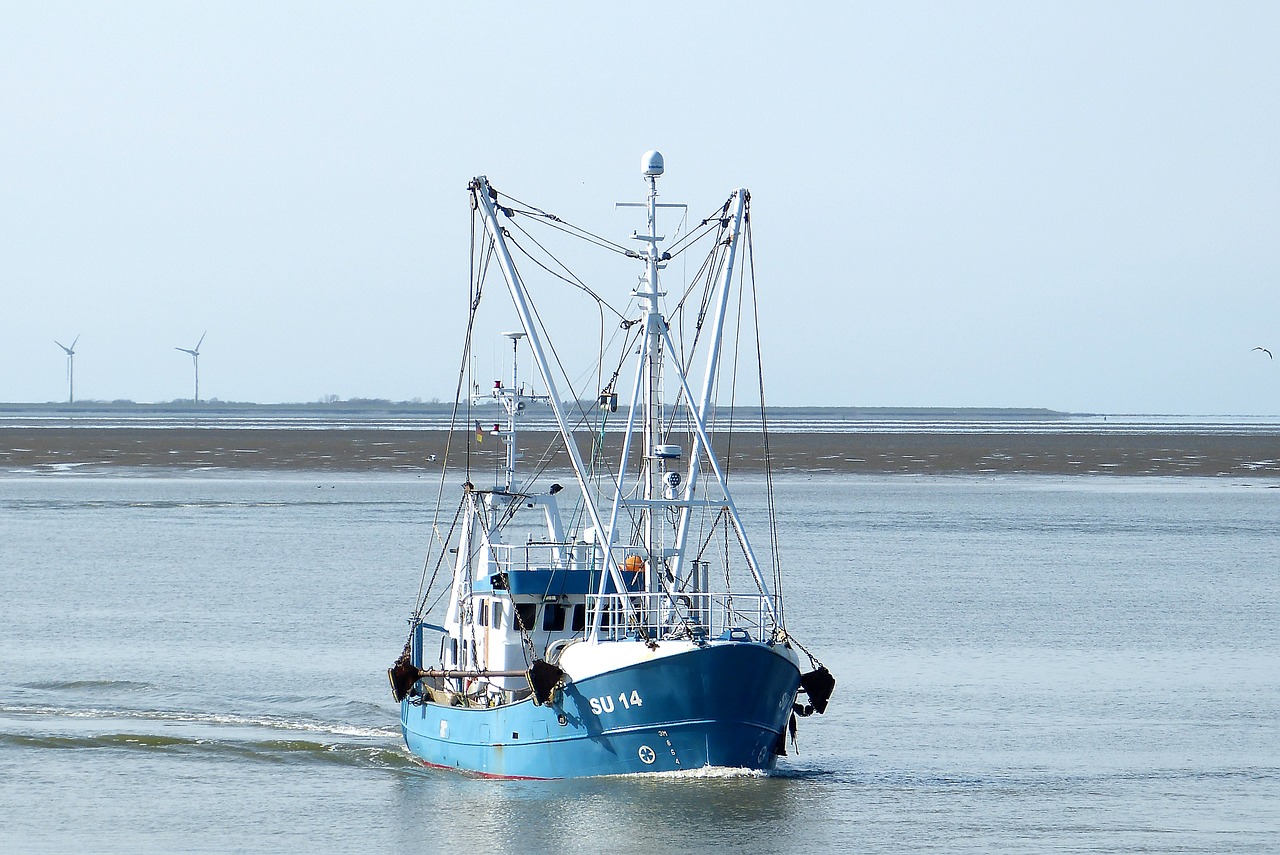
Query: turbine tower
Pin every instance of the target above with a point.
(195, 360)
(71, 368)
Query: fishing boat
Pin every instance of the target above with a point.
(625, 623)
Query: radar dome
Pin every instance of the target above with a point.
(651, 164)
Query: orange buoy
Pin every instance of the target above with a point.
(633, 564)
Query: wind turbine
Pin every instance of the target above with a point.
(71, 368)
(195, 360)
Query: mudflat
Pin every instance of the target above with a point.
(359, 450)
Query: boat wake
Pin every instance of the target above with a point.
(290, 751)
(706, 772)
(196, 718)
(86, 686)
(214, 736)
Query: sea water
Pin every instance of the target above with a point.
(1024, 664)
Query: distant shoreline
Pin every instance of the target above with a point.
(357, 449)
(382, 406)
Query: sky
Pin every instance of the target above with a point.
(1072, 205)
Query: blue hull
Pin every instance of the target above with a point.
(725, 705)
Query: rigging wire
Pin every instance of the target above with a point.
(563, 225)
(580, 414)
(475, 288)
(544, 461)
(572, 279)
(728, 455)
(422, 609)
(774, 542)
(710, 268)
(720, 219)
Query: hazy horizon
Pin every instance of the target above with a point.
(374, 404)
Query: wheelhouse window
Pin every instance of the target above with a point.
(526, 615)
(553, 617)
(579, 618)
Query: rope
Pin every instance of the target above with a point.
(564, 225)
(475, 288)
(774, 542)
(572, 279)
(422, 598)
(719, 218)
(580, 414)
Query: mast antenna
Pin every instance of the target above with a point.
(514, 404)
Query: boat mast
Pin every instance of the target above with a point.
(514, 404)
(513, 401)
(654, 327)
(659, 336)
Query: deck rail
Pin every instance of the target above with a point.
(683, 615)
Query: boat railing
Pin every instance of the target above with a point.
(661, 614)
(683, 615)
(543, 555)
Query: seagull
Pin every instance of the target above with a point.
(1264, 350)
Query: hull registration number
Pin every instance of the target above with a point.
(604, 703)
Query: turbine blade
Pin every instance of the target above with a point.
(201, 341)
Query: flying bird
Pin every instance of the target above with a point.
(1264, 350)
